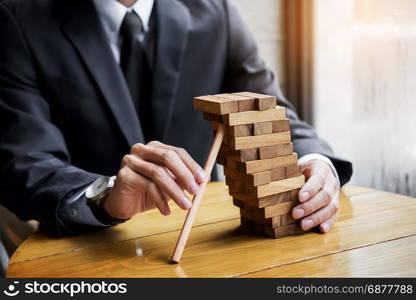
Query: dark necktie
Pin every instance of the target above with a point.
(136, 68)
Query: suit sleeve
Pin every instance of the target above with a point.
(246, 71)
(35, 170)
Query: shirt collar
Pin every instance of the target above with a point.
(112, 12)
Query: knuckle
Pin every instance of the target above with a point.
(307, 208)
(154, 143)
(321, 176)
(125, 160)
(181, 151)
(168, 156)
(123, 174)
(335, 207)
(326, 195)
(136, 148)
(317, 219)
(158, 173)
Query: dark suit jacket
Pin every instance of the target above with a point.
(65, 110)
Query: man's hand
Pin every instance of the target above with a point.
(318, 197)
(149, 177)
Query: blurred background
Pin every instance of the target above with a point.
(349, 66)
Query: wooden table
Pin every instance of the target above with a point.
(375, 236)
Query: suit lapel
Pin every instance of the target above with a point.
(83, 29)
(173, 23)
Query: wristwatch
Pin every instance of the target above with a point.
(95, 193)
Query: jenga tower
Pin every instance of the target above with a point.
(259, 163)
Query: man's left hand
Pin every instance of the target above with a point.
(319, 197)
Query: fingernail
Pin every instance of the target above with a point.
(298, 213)
(200, 176)
(307, 224)
(187, 204)
(166, 211)
(325, 227)
(304, 196)
(193, 188)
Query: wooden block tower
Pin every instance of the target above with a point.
(259, 163)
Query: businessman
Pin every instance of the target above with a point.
(96, 117)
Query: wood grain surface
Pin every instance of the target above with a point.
(370, 222)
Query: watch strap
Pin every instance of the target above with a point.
(102, 215)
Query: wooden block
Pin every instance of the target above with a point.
(271, 211)
(237, 186)
(283, 231)
(247, 155)
(287, 219)
(251, 117)
(229, 181)
(276, 222)
(273, 222)
(280, 126)
(278, 209)
(263, 128)
(221, 161)
(241, 186)
(264, 201)
(275, 151)
(251, 226)
(232, 162)
(260, 178)
(251, 216)
(225, 140)
(233, 97)
(278, 174)
(212, 117)
(240, 130)
(234, 187)
(249, 208)
(259, 228)
(294, 195)
(277, 187)
(263, 101)
(256, 166)
(215, 105)
(257, 214)
(245, 103)
(240, 155)
(247, 142)
(251, 179)
(238, 203)
(215, 124)
(292, 171)
(246, 224)
(226, 151)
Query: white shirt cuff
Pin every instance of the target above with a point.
(311, 156)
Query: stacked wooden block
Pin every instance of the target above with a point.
(259, 164)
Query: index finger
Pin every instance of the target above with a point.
(311, 187)
(171, 161)
(190, 163)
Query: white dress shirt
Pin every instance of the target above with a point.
(111, 14)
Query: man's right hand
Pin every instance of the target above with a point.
(149, 177)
